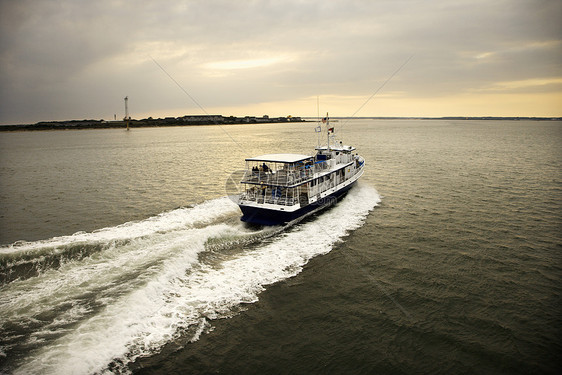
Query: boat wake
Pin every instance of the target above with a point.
(95, 302)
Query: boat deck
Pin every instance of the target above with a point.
(277, 178)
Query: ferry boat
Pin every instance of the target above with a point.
(282, 188)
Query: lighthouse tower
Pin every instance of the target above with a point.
(127, 117)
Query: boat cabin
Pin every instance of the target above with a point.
(289, 179)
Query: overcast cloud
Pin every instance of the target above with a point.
(65, 59)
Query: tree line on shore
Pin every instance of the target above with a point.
(151, 122)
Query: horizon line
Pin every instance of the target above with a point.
(483, 117)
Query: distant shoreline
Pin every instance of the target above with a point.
(222, 120)
(150, 122)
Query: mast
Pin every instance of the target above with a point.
(318, 119)
(328, 130)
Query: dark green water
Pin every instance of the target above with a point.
(452, 265)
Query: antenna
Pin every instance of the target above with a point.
(379, 89)
(127, 117)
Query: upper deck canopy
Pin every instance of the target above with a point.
(280, 158)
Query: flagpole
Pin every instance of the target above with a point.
(328, 130)
(318, 119)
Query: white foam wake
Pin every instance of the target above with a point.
(178, 294)
(180, 218)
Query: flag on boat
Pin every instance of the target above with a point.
(330, 130)
(326, 120)
(318, 129)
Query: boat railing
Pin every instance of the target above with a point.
(277, 178)
(321, 165)
(258, 197)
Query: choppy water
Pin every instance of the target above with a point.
(122, 254)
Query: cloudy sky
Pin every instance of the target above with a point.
(74, 59)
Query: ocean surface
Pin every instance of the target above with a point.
(122, 253)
